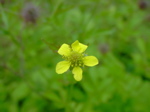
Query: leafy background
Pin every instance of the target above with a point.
(117, 33)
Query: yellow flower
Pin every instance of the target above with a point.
(75, 58)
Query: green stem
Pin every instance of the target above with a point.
(69, 97)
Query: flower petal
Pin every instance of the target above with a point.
(90, 61)
(64, 50)
(79, 47)
(77, 71)
(62, 67)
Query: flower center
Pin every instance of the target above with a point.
(76, 59)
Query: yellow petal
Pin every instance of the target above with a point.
(78, 47)
(90, 61)
(62, 67)
(64, 50)
(77, 71)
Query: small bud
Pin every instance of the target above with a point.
(143, 4)
(104, 48)
(30, 13)
(2, 2)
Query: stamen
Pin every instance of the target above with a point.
(75, 58)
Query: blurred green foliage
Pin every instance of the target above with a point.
(117, 33)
